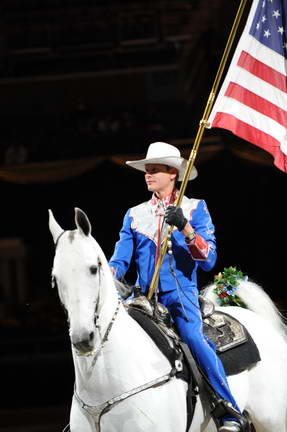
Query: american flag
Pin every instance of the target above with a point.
(252, 101)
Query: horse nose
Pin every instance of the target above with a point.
(85, 343)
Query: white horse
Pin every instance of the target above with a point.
(123, 382)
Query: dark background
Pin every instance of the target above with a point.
(99, 81)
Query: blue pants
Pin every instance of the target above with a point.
(186, 314)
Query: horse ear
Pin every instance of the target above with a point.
(55, 228)
(82, 222)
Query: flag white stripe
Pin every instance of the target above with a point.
(260, 87)
(263, 53)
(253, 118)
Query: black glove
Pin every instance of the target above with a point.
(174, 216)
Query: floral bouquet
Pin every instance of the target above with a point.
(226, 284)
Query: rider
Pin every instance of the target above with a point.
(193, 246)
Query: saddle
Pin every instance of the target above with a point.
(233, 343)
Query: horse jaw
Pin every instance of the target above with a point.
(82, 222)
(54, 227)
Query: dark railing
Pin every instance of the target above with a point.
(59, 33)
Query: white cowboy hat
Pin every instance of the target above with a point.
(165, 154)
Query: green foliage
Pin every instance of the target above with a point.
(226, 284)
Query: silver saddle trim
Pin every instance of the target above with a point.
(207, 307)
(159, 313)
(142, 303)
(230, 332)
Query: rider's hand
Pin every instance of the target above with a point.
(174, 216)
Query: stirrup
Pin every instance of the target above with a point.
(224, 409)
(230, 426)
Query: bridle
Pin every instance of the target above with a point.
(96, 351)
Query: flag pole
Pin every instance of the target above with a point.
(197, 141)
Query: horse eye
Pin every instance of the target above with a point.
(93, 270)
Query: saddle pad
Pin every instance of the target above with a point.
(161, 340)
(235, 347)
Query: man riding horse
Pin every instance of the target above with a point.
(192, 245)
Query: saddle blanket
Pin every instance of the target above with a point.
(236, 349)
(234, 345)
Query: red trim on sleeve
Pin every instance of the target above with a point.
(198, 248)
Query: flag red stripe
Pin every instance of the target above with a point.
(261, 70)
(241, 94)
(253, 135)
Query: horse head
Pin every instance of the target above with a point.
(77, 272)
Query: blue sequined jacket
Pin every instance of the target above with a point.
(139, 242)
